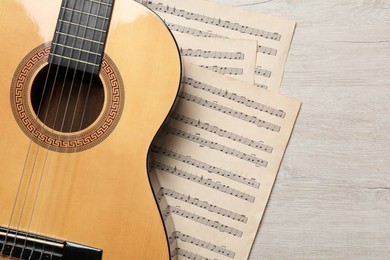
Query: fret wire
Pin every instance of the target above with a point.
(103, 3)
(69, 35)
(90, 44)
(77, 49)
(81, 25)
(81, 12)
(61, 55)
(76, 60)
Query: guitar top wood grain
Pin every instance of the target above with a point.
(89, 186)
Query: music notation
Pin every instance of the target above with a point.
(207, 188)
(201, 204)
(267, 50)
(233, 96)
(208, 182)
(207, 167)
(199, 33)
(215, 146)
(191, 31)
(211, 20)
(212, 54)
(233, 57)
(201, 243)
(229, 111)
(263, 72)
(224, 70)
(187, 254)
(261, 86)
(202, 220)
(206, 19)
(221, 132)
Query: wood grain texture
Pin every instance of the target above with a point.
(331, 199)
(100, 197)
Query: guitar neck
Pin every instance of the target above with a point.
(80, 34)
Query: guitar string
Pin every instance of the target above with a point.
(104, 25)
(54, 124)
(84, 71)
(3, 8)
(79, 93)
(36, 155)
(45, 158)
(8, 229)
(38, 147)
(100, 37)
(57, 110)
(18, 189)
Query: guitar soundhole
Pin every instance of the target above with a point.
(67, 100)
(74, 129)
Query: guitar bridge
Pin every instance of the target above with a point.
(27, 246)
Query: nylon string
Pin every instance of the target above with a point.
(69, 97)
(25, 164)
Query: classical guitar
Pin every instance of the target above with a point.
(84, 87)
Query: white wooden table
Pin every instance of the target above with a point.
(331, 199)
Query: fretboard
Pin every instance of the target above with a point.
(81, 34)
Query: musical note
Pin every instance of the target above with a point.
(211, 20)
(234, 97)
(204, 166)
(229, 111)
(212, 54)
(201, 243)
(205, 182)
(221, 132)
(201, 203)
(191, 31)
(263, 72)
(224, 70)
(202, 220)
(261, 86)
(206, 19)
(202, 162)
(215, 146)
(267, 50)
(233, 57)
(187, 254)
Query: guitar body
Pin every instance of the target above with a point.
(67, 186)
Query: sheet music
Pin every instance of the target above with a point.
(207, 19)
(231, 57)
(215, 161)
